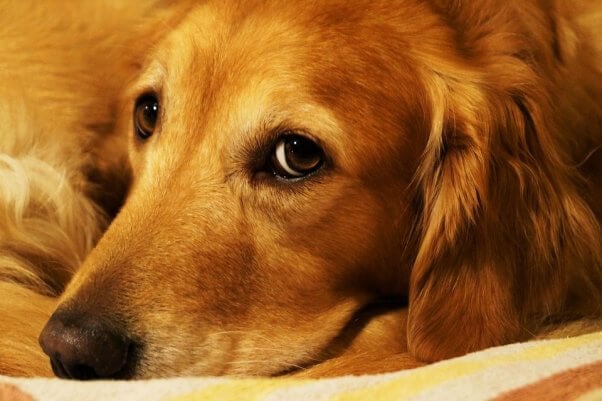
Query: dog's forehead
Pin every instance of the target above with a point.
(209, 56)
(217, 34)
(238, 72)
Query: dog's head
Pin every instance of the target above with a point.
(290, 163)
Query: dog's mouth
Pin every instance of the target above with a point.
(134, 352)
(137, 358)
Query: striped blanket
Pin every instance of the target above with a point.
(567, 369)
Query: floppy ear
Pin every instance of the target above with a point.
(506, 240)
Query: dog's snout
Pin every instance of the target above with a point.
(84, 349)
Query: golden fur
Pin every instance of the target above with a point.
(464, 171)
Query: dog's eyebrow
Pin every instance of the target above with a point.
(151, 79)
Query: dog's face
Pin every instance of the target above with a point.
(271, 160)
(292, 162)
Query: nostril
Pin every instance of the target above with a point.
(83, 372)
(84, 349)
(57, 368)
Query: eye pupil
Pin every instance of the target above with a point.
(302, 154)
(150, 112)
(146, 115)
(296, 156)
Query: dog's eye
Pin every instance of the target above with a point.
(146, 115)
(296, 156)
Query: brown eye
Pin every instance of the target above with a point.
(296, 156)
(146, 115)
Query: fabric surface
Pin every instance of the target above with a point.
(568, 369)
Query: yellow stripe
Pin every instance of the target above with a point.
(595, 395)
(241, 389)
(418, 381)
(432, 376)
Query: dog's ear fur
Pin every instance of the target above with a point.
(506, 239)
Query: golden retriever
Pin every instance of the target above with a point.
(285, 166)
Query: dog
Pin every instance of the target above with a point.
(313, 188)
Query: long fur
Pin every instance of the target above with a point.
(48, 224)
(505, 224)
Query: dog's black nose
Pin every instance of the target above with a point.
(84, 349)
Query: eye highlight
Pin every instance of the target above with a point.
(295, 156)
(146, 116)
